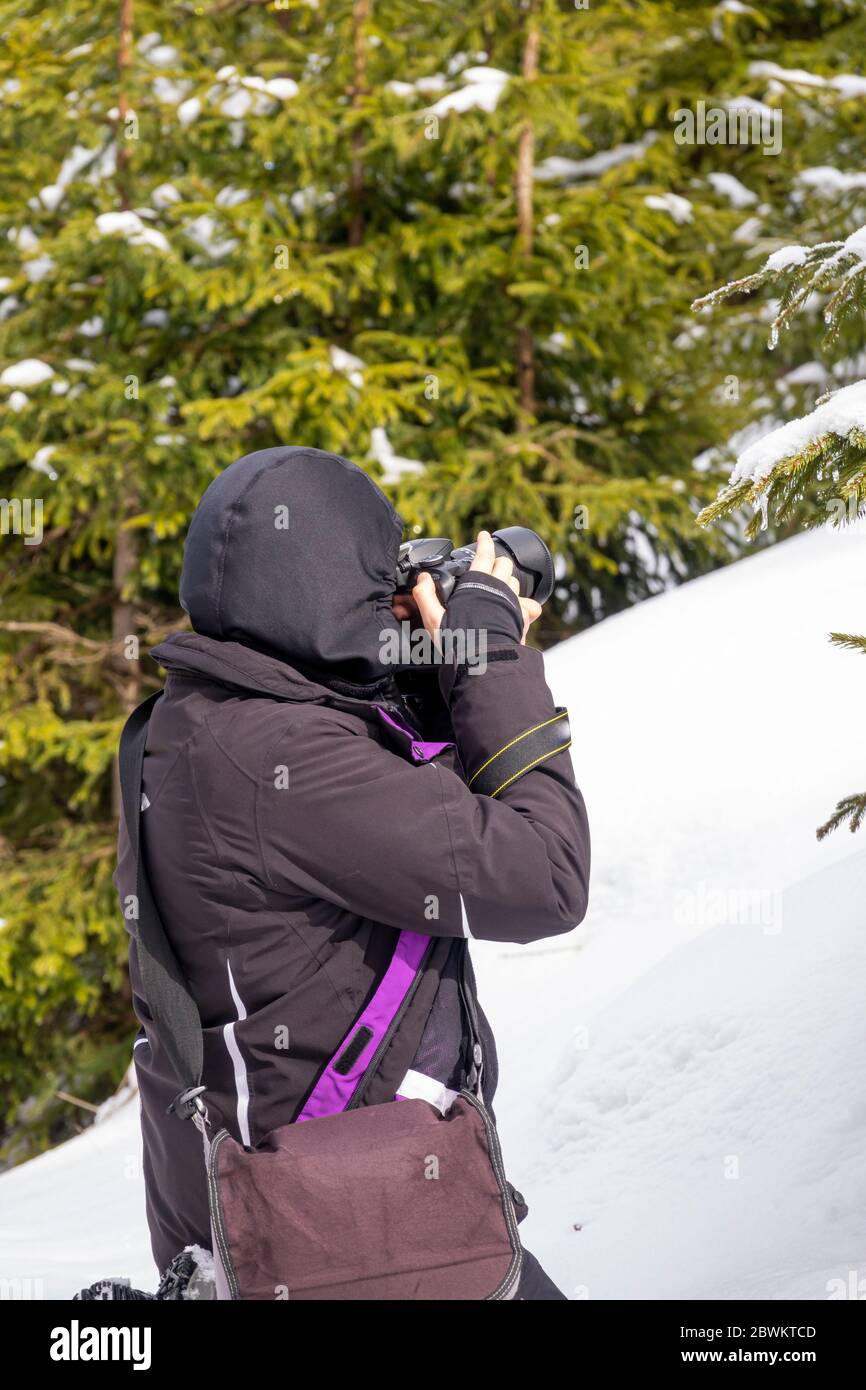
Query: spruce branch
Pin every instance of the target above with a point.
(848, 641)
(851, 809)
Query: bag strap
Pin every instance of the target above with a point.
(354, 1061)
(474, 1063)
(173, 1010)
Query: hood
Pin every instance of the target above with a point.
(293, 552)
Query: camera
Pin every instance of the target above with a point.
(531, 560)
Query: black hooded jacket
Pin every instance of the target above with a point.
(295, 821)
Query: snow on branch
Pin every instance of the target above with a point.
(822, 453)
(840, 416)
(803, 271)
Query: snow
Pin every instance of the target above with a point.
(704, 1021)
(189, 111)
(24, 238)
(51, 196)
(169, 91)
(657, 1040)
(558, 167)
(348, 364)
(855, 245)
(680, 209)
(37, 268)
(482, 89)
(843, 412)
(130, 226)
(847, 85)
(807, 374)
(283, 88)
(230, 197)
(798, 76)
(432, 83)
(394, 467)
(246, 95)
(760, 108)
(707, 1131)
(786, 257)
(40, 461)
(828, 181)
(163, 55)
(749, 230)
(164, 195)
(75, 1214)
(205, 232)
(100, 164)
(305, 199)
(29, 372)
(738, 195)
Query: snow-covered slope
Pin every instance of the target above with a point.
(708, 1131)
(681, 1077)
(710, 1008)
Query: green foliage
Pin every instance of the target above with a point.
(816, 473)
(206, 265)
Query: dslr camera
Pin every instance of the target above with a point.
(531, 560)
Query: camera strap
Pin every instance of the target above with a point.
(528, 750)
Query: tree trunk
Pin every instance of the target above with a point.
(361, 12)
(525, 229)
(124, 63)
(123, 616)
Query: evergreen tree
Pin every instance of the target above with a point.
(457, 244)
(812, 470)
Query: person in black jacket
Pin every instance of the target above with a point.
(297, 817)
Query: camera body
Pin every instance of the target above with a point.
(531, 560)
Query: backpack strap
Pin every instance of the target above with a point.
(173, 1010)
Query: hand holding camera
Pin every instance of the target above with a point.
(425, 591)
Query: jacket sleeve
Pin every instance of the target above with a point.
(413, 846)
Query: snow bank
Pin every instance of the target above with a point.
(707, 1131)
(633, 1031)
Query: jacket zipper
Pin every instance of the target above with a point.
(495, 1150)
(389, 1035)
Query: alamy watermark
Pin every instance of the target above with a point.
(703, 906)
(752, 124)
(405, 646)
(77, 1343)
(22, 516)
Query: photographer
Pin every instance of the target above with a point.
(298, 816)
